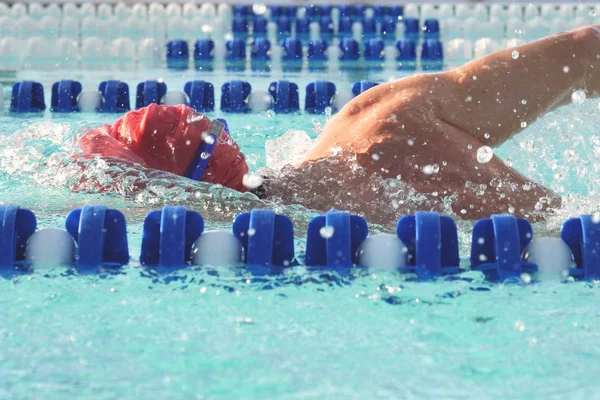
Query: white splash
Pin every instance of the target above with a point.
(288, 149)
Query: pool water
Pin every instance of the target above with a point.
(205, 333)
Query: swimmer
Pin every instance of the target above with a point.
(424, 130)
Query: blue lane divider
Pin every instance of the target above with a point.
(387, 30)
(27, 97)
(411, 28)
(498, 243)
(277, 11)
(101, 235)
(347, 11)
(374, 50)
(239, 27)
(431, 29)
(326, 28)
(362, 86)
(201, 95)
(406, 54)
(242, 11)
(203, 52)
(285, 96)
(292, 50)
(168, 236)
(115, 96)
(312, 11)
(432, 55)
(236, 50)
(369, 27)
(432, 243)
(317, 50)
(260, 50)
(395, 11)
(582, 235)
(18, 224)
(318, 96)
(359, 10)
(178, 54)
(234, 95)
(259, 26)
(283, 11)
(64, 96)
(149, 92)
(325, 10)
(302, 27)
(284, 26)
(267, 239)
(332, 240)
(345, 26)
(379, 12)
(349, 50)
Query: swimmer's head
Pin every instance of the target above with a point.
(179, 140)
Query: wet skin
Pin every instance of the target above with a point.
(426, 129)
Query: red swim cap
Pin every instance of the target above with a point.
(169, 138)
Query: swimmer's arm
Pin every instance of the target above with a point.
(501, 93)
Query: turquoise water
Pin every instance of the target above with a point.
(218, 333)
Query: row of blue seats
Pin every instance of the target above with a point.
(387, 27)
(28, 96)
(178, 54)
(174, 237)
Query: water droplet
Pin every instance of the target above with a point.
(251, 232)
(520, 326)
(469, 146)
(486, 135)
(468, 99)
(259, 9)
(410, 142)
(463, 211)
(570, 155)
(204, 155)
(317, 126)
(208, 138)
(431, 169)
(596, 218)
(515, 54)
(481, 240)
(326, 232)
(524, 101)
(566, 69)
(523, 124)
(252, 181)
(526, 278)
(482, 258)
(484, 154)
(578, 97)
(375, 156)
(474, 77)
